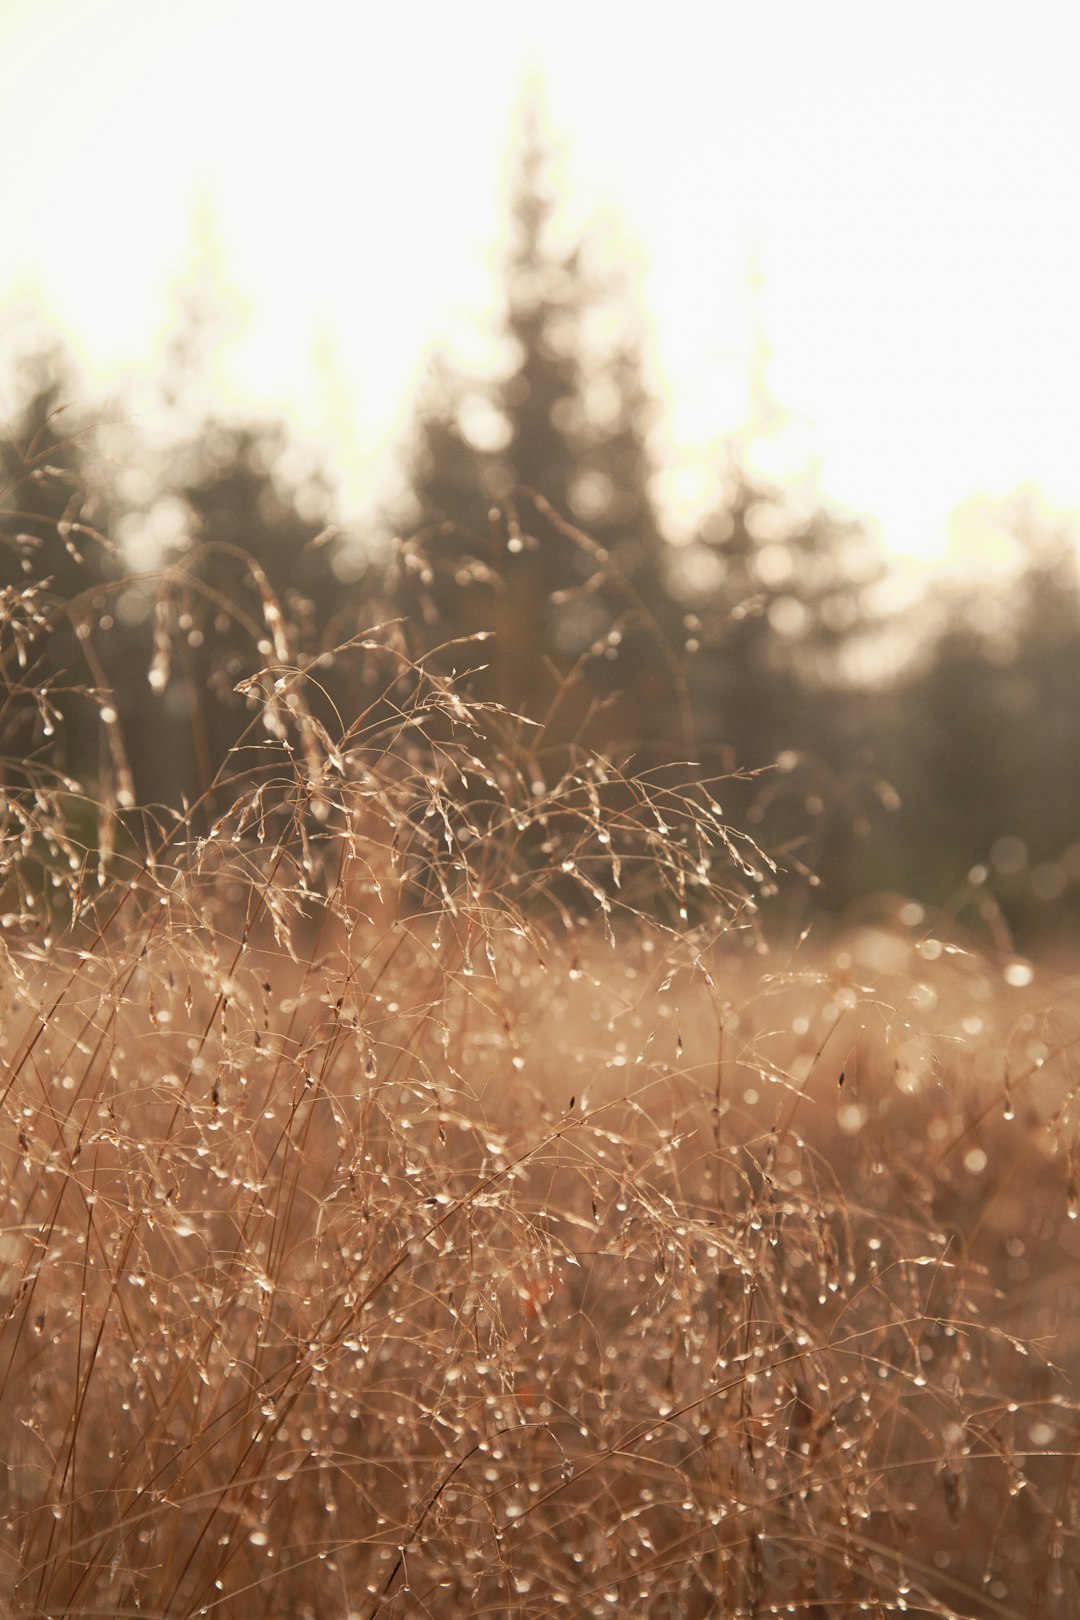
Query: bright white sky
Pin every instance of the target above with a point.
(906, 176)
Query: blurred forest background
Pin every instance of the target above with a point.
(925, 750)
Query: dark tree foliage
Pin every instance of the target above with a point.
(987, 741)
(58, 571)
(779, 608)
(1046, 697)
(136, 675)
(531, 496)
(780, 598)
(250, 582)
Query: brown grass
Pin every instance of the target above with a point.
(420, 1201)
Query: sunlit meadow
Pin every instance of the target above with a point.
(429, 1190)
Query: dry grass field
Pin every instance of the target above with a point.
(426, 1193)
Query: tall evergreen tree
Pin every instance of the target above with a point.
(242, 586)
(531, 490)
(779, 592)
(783, 602)
(62, 638)
(994, 731)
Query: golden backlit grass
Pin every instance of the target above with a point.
(375, 1244)
(425, 1194)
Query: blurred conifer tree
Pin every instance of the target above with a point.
(56, 513)
(242, 583)
(988, 735)
(531, 495)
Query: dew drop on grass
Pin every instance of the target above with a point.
(1019, 974)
